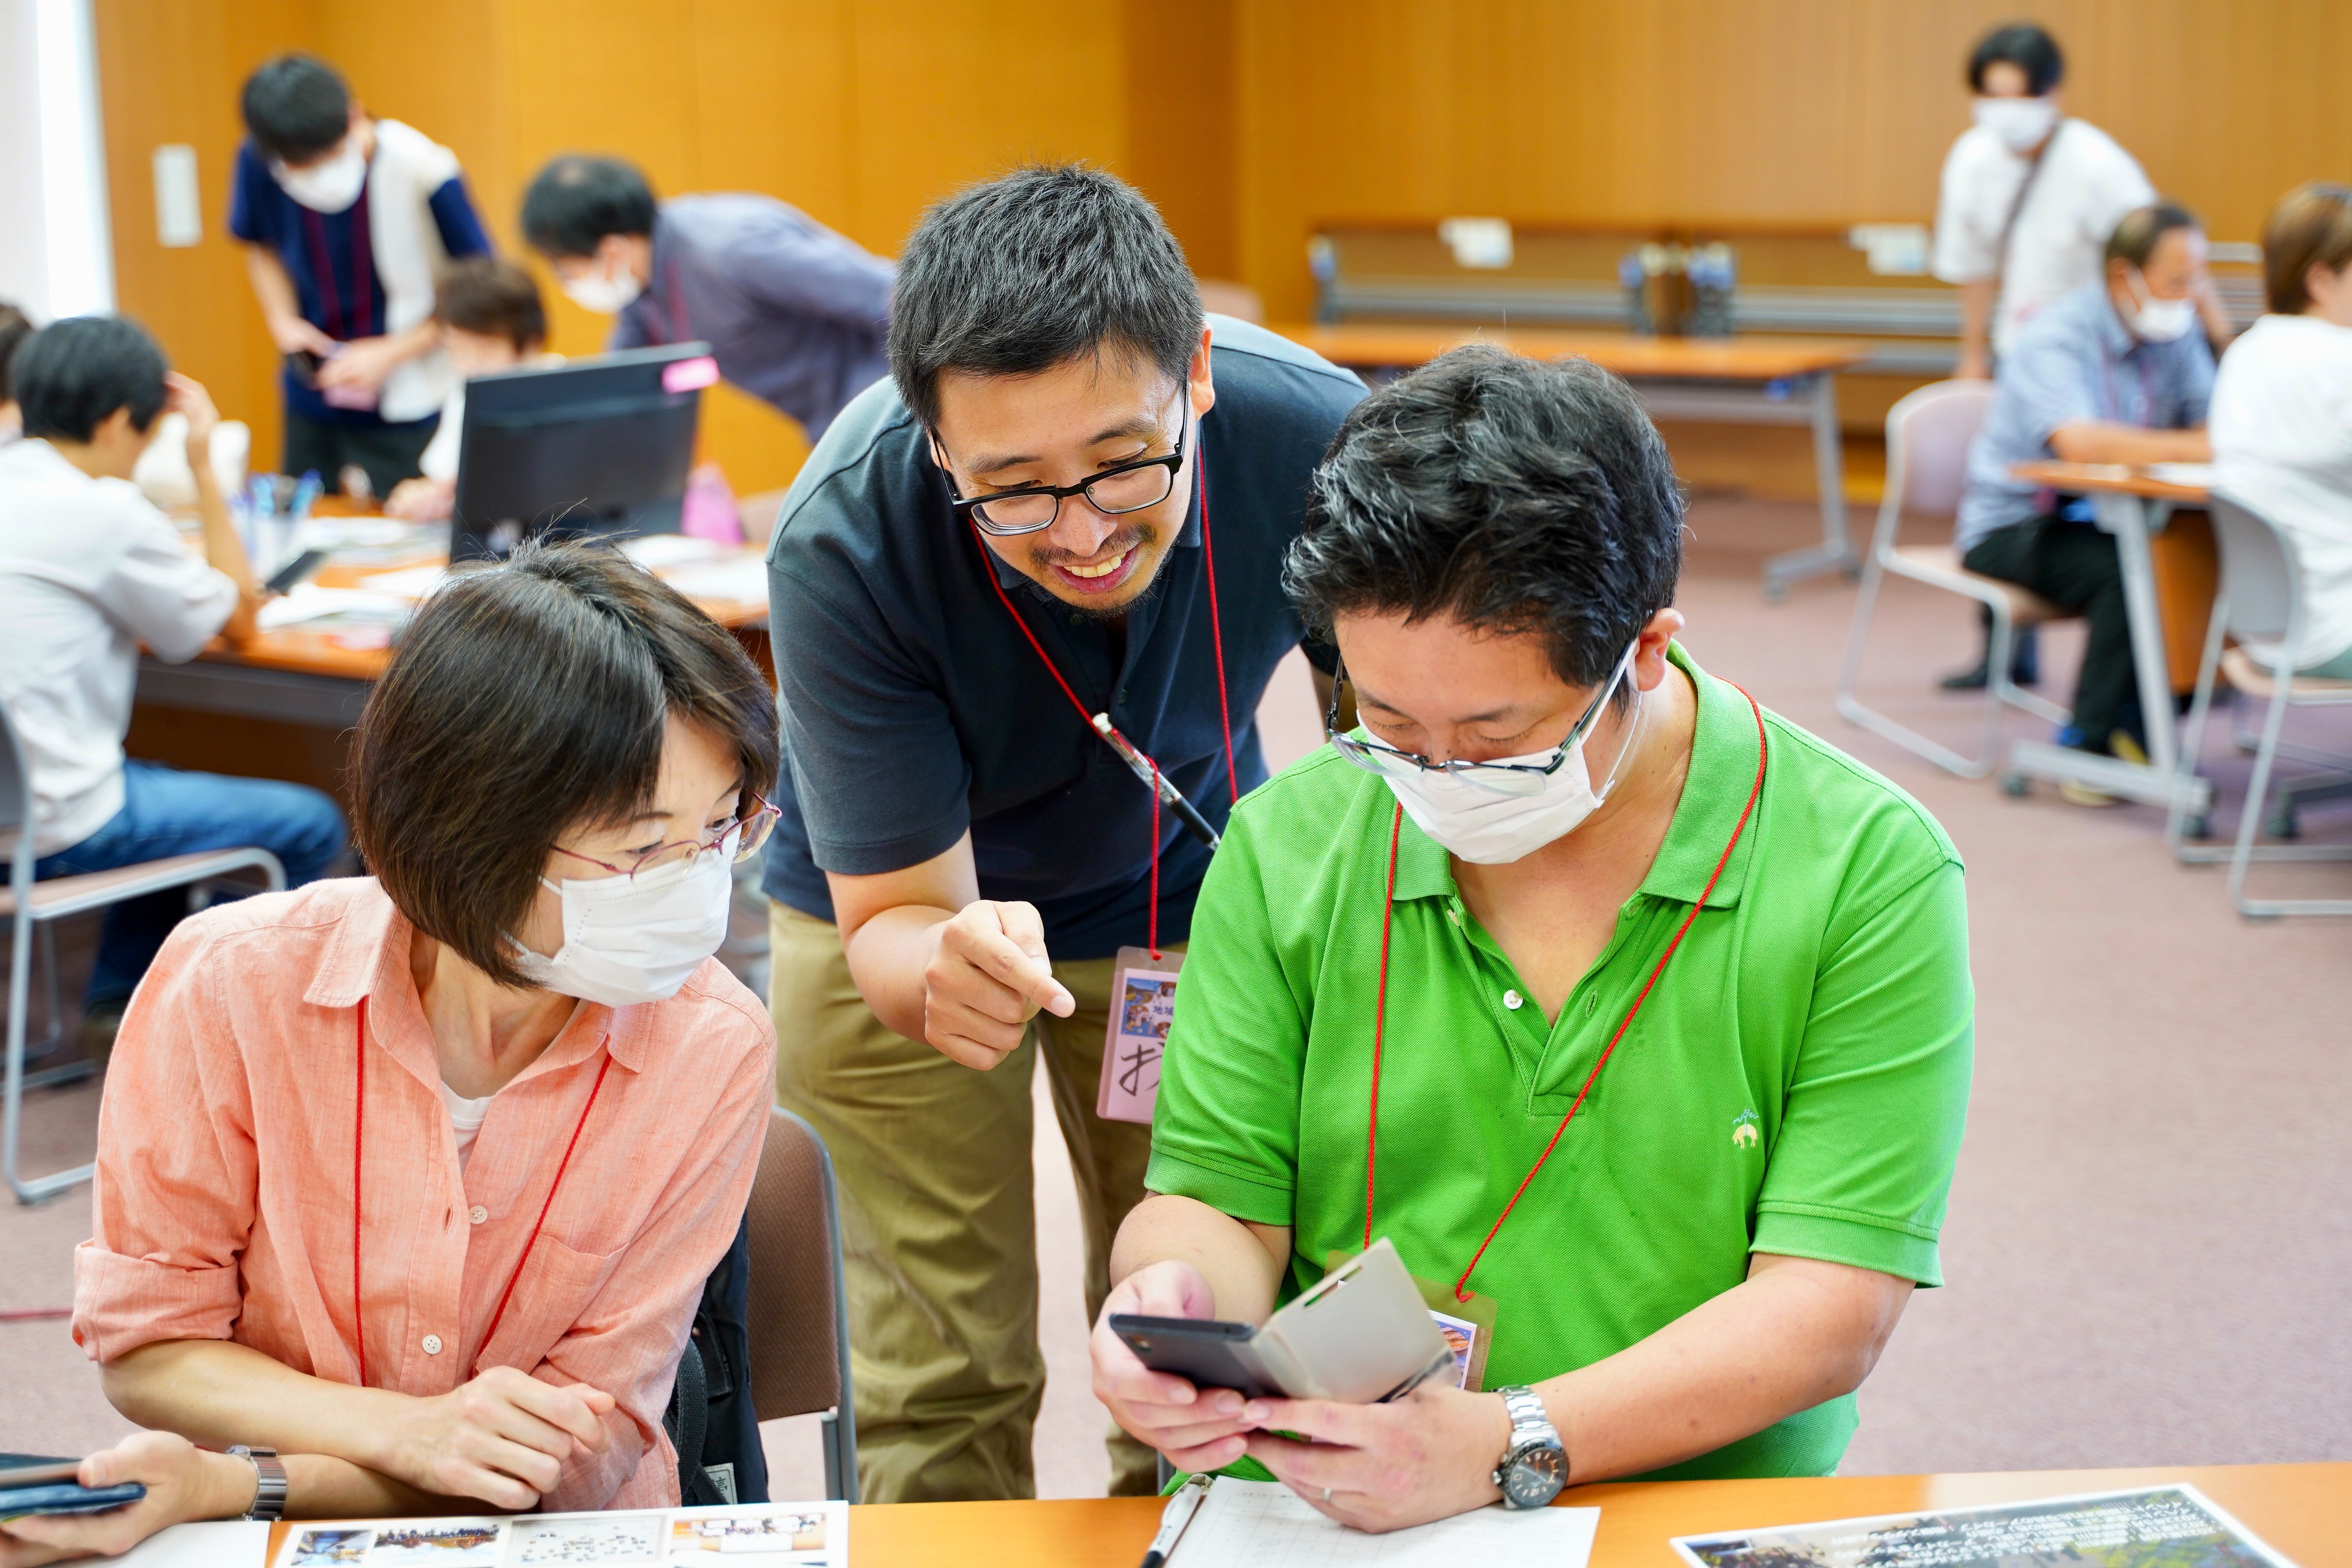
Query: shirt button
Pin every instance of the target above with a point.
(478, 1214)
(1513, 1000)
(432, 1344)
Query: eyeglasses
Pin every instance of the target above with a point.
(749, 831)
(1131, 486)
(1502, 778)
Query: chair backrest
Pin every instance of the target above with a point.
(799, 1324)
(1928, 434)
(2261, 577)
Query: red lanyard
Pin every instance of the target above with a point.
(1216, 645)
(1380, 1007)
(358, 1129)
(362, 271)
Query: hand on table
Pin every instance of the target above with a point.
(363, 363)
(987, 977)
(184, 396)
(183, 1482)
(504, 1437)
(1430, 1455)
(1197, 1429)
(421, 500)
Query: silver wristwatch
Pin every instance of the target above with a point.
(270, 1482)
(1535, 1467)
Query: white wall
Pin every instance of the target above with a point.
(56, 259)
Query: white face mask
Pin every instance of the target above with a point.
(603, 293)
(2021, 123)
(329, 186)
(2156, 321)
(1486, 829)
(636, 939)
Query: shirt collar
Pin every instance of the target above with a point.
(1722, 768)
(2114, 336)
(367, 956)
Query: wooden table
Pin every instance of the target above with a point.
(2299, 1510)
(2127, 504)
(1738, 380)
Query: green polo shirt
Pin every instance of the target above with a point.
(1795, 1084)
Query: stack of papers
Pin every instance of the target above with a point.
(2196, 476)
(321, 609)
(1261, 1524)
(738, 579)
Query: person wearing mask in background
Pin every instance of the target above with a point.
(88, 572)
(15, 327)
(1015, 526)
(346, 220)
(491, 319)
(2282, 422)
(2114, 373)
(516, 1021)
(794, 314)
(1565, 858)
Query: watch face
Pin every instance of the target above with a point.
(1535, 1476)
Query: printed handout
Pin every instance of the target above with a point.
(752, 1535)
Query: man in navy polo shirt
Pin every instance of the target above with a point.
(347, 221)
(1018, 531)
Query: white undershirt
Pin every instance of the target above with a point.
(465, 1117)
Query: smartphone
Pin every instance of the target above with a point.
(296, 571)
(34, 1483)
(1204, 1352)
(303, 366)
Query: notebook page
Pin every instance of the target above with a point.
(1260, 1524)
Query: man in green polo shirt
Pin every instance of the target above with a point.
(1668, 1001)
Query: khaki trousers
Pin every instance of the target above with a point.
(933, 1166)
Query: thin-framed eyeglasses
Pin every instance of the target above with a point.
(1129, 486)
(1502, 778)
(749, 831)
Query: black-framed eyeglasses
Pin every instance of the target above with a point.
(1129, 486)
(1502, 778)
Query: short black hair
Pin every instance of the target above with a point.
(526, 699)
(15, 327)
(1050, 263)
(1511, 494)
(2025, 44)
(492, 298)
(296, 106)
(2139, 230)
(579, 198)
(71, 376)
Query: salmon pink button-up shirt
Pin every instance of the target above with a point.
(225, 1202)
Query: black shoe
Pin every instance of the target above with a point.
(1968, 680)
(2024, 667)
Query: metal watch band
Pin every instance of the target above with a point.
(270, 1482)
(1534, 1468)
(1527, 1417)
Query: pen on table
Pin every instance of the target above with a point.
(1185, 811)
(1175, 1516)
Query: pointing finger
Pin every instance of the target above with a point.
(1025, 929)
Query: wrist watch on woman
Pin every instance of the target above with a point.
(270, 1482)
(1535, 1467)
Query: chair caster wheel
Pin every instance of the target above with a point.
(2197, 827)
(2013, 785)
(2282, 825)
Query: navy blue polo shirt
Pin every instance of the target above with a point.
(914, 708)
(335, 285)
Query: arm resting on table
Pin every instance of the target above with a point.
(2096, 441)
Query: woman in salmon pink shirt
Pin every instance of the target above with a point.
(415, 1179)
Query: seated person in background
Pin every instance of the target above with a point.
(15, 327)
(491, 319)
(1446, 944)
(502, 1085)
(2282, 418)
(345, 219)
(794, 312)
(89, 571)
(2114, 373)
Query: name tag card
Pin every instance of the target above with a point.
(1142, 1001)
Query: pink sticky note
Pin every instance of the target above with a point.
(690, 374)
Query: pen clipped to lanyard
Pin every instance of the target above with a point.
(1178, 1513)
(1153, 779)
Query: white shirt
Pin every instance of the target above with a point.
(466, 1118)
(2282, 430)
(88, 570)
(2086, 186)
(439, 460)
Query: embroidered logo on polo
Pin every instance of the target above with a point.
(1747, 1129)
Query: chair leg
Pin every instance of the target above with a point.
(31, 1190)
(1850, 707)
(2245, 852)
(2192, 745)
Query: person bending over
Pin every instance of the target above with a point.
(491, 319)
(2114, 373)
(1636, 1017)
(89, 572)
(415, 1179)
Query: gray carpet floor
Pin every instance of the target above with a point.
(2149, 1249)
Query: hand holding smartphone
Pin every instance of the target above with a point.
(34, 1483)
